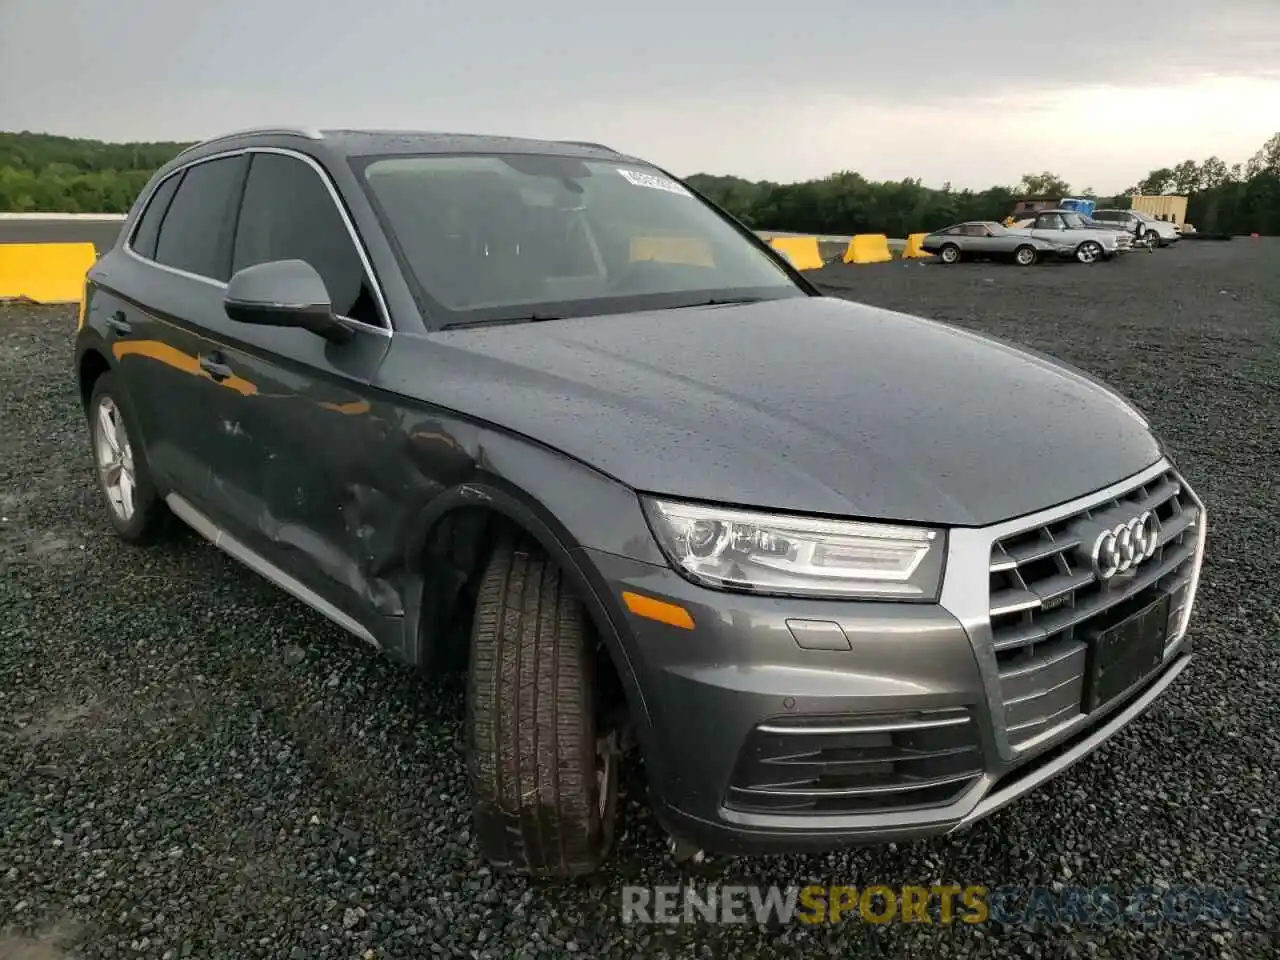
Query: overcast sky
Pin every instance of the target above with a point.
(976, 91)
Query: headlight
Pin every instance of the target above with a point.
(789, 555)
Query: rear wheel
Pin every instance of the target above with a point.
(1025, 255)
(1089, 252)
(949, 253)
(544, 775)
(133, 506)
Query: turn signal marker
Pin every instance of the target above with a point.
(660, 610)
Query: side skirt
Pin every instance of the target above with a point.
(189, 515)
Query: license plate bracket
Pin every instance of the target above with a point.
(1122, 654)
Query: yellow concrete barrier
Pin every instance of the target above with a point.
(801, 251)
(45, 272)
(913, 250)
(868, 248)
(694, 251)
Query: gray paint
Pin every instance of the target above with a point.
(329, 465)
(812, 404)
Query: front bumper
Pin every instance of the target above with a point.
(751, 729)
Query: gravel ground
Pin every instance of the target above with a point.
(193, 764)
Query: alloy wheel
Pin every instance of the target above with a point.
(115, 458)
(606, 773)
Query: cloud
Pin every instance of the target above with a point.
(971, 92)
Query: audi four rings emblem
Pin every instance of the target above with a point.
(1125, 545)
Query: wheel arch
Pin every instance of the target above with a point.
(487, 504)
(90, 366)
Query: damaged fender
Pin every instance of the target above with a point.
(546, 508)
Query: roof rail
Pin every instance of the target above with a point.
(309, 132)
(588, 143)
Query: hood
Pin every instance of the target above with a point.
(809, 404)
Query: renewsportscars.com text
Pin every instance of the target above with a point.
(933, 903)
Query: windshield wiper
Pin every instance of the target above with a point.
(715, 302)
(500, 321)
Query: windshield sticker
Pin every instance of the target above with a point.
(638, 179)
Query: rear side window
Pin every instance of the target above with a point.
(144, 237)
(194, 232)
(288, 214)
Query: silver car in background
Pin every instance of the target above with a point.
(986, 240)
(1146, 229)
(1076, 236)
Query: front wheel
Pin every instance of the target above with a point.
(544, 775)
(1089, 252)
(1025, 255)
(949, 253)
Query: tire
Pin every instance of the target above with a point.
(118, 455)
(544, 782)
(949, 253)
(1089, 252)
(1151, 239)
(1026, 255)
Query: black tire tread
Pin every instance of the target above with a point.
(530, 720)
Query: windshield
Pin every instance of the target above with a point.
(1075, 221)
(513, 237)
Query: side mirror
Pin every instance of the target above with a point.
(284, 293)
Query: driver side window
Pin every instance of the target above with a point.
(288, 214)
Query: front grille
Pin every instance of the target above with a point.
(862, 763)
(1044, 597)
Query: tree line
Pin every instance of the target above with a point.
(44, 173)
(47, 174)
(1243, 198)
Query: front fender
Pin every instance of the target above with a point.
(565, 506)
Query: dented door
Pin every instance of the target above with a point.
(303, 435)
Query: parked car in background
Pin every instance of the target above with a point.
(986, 240)
(1073, 235)
(1145, 228)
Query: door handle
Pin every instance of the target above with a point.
(214, 367)
(118, 323)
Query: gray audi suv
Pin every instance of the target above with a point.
(540, 412)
